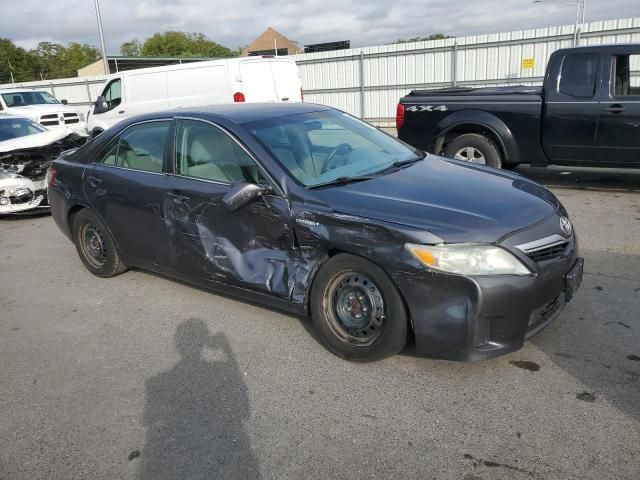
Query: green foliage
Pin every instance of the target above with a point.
(182, 44)
(435, 36)
(132, 48)
(48, 60)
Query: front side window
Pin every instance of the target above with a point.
(21, 99)
(578, 74)
(626, 75)
(113, 94)
(139, 147)
(321, 147)
(208, 152)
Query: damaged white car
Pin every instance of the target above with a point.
(26, 151)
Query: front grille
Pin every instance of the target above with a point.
(67, 115)
(545, 248)
(548, 252)
(49, 123)
(70, 121)
(49, 116)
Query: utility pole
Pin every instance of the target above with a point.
(105, 61)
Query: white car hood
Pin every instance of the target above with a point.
(43, 109)
(35, 140)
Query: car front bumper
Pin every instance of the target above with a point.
(474, 318)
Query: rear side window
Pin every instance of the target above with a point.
(139, 147)
(578, 75)
(626, 75)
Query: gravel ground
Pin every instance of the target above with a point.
(140, 376)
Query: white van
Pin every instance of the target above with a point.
(249, 79)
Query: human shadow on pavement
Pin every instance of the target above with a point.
(195, 413)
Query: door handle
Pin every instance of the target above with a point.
(120, 111)
(94, 181)
(616, 108)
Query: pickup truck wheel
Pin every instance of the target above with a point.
(475, 148)
(357, 311)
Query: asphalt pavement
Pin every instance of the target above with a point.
(140, 376)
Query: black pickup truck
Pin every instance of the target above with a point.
(587, 113)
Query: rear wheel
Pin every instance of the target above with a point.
(357, 310)
(474, 148)
(95, 245)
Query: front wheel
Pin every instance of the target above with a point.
(357, 310)
(95, 245)
(474, 148)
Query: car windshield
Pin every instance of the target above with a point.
(11, 128)
(21, 99)
(327, 147)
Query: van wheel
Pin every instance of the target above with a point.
(474, 148)
(95, 245)
(357, 310)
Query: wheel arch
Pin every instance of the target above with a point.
(332, 252)
(483, 123)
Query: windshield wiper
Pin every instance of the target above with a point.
(343, 181)
(397, 165)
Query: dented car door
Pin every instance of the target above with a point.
(251, 247)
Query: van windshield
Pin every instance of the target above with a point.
(21, 99)
(322, 148)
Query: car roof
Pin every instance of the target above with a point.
(252, 112)
(23, 89)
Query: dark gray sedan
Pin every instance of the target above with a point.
(306, 208)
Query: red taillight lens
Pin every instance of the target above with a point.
(238, 97)
(51, 175)
(399, 116)
(301, 95)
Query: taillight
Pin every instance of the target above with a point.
(51, 175)
(301, 95)
(399, 116)
(238, 97)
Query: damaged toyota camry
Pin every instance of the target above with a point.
(306, 208)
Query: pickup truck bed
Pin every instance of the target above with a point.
(587, 113)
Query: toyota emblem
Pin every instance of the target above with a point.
(565, 225)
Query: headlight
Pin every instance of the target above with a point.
(468, 259)
(18, 191)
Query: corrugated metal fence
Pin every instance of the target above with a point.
(368, 82)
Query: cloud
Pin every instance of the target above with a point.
(238, 22)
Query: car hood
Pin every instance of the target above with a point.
(35, 140)
(42, 109)
(457, 201)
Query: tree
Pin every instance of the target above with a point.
(56, 61)
(132, 48)
(16, 64)
(435, 36)
(182, 44)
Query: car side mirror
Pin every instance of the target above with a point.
(243, 193)
(64, 101)
(100, 105)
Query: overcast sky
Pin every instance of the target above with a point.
(235, 23)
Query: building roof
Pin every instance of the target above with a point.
(271, 39)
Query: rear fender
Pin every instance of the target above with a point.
(475, 121)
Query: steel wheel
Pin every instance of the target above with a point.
(92, 244)
(355, 308)
(470, 154)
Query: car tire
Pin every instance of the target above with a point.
(349, 282)
(95, 245)
(476, 146)
(95, 132)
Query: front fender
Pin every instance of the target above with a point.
(475, 119)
